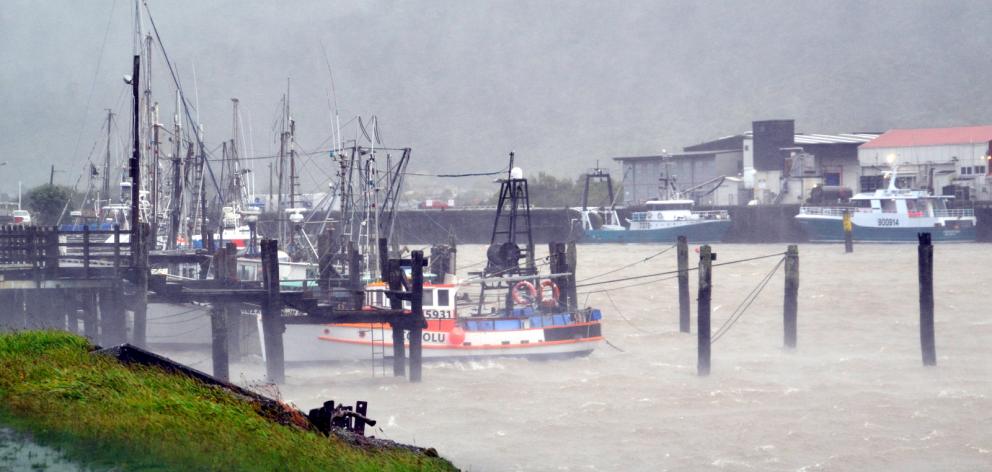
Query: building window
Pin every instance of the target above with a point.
(831, 178)
(979, 170)
(965, 170)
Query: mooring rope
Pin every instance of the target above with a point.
(670, 272)
(624, 317)
(639, 284)
(669, 248)
(745, 304)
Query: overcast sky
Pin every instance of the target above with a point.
(563, 83)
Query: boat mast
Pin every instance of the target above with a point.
(282, 165)
(106, 162)
(292, 176)
(176, 200)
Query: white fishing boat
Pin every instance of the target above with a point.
(662, 220)
(891, 214)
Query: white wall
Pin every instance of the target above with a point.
(919, 159)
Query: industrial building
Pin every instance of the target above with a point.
(949, 161)
(767, 165)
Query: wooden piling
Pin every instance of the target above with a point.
(140, 303)
(113, 322)
(417, 307)
(218, 344)
(791, 310)
(232, 311)
(393, 274)
(848, 232)
(703, 311)
(91, 328)
(683, 278)
(572, 259)
(927, 341)
(272, 322)
(86, 251)
(218, 321)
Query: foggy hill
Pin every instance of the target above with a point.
(562, 83)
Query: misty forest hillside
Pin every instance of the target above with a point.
(562, 83)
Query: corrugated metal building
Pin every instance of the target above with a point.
(775, 165)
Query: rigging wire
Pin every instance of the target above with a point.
(748, 300)
(669, 248)
(96, 74)
(624, 317)
(635, 277)
(474, 174)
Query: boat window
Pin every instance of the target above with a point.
(428, 297)
(442, 298)
(888, 206)
(940, 204)
(914, 209)
(861, 203)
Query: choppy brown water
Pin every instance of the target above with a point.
(854, 396)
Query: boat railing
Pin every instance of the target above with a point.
(955, 213)
(831, 211)
(712, 215)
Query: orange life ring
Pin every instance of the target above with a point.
(518, 297)
(456, 336)
(555, 294)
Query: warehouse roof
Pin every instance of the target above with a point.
(931, 137)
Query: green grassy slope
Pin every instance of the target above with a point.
(105, 414)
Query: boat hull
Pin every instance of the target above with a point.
(830, 230)
(324, 343)
(701, 232)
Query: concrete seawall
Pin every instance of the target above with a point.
(751, 224)
(767, 224)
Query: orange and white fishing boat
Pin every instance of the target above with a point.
(526, 331)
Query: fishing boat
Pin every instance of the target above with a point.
(526, 331)
(662, 220)
(518, 312)
(891, 214)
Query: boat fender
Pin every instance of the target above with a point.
(456, 336)
(518, 296)
(555, 294)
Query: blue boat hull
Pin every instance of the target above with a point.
(703, 232)
(823, 230)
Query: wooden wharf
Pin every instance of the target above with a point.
(86, 282)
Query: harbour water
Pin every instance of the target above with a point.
(853, 396)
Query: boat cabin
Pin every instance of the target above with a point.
(913, 204)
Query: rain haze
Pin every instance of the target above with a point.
(515, 235)
(462, 83)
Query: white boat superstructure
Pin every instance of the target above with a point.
(891, 214)
(662, 214)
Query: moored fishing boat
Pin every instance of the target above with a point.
(530, 314)
(524, 332)
(891, 214)
(662, 221)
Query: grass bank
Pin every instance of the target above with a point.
(104, 414)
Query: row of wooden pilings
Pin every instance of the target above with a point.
(790, 299)
(226, 310)
(98, 313)
(76, 285)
